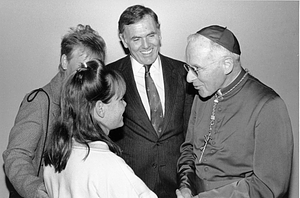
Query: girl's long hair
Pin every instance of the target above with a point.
(88, 84)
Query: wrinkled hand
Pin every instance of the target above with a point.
(184, 193)
(178, 194)
(41, 192)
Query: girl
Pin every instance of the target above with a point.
(80, 160)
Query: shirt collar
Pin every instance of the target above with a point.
(93, 145)
(138, 67)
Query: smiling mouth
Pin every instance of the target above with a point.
(147, 52)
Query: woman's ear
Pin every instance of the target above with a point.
(99, 108)
(64, 62)
(228, 65)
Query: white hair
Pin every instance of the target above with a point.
(214, 50)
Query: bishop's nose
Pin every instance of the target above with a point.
(191, 77)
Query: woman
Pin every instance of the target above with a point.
(38, 110)
(81, 160)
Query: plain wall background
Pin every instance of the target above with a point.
(31, 31)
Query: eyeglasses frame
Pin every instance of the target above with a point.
(195, 70)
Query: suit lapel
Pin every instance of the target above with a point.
(170, 84)
(135, 108)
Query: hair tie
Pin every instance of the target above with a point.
(79, 72)
(84, 64)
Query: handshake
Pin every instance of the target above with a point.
(184, 193)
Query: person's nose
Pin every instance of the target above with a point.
(191, 77)
(145, 43)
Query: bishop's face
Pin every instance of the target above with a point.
(210, 74)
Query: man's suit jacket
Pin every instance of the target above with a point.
(153, 158)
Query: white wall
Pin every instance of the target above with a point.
(31, 31)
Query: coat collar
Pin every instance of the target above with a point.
(54, 87)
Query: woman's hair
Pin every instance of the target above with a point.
(88, 84)
(87, 38)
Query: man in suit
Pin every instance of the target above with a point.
(152, 151)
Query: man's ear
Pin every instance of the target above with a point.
(159, 34)
(121, 36)
(99, 108)
(64, 62)
(228, 65)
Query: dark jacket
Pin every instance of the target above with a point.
(153, 158)
(250, 151)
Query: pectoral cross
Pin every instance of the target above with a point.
(207, 137)
(206, 140)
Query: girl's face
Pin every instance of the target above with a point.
(111, 115)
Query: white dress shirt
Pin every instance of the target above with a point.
(157, 76)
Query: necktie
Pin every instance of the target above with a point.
(154, 102)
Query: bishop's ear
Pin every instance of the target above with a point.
(228, 65)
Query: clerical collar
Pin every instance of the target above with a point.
(241, 76)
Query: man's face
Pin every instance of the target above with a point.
(210, 73)
(143, 40)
